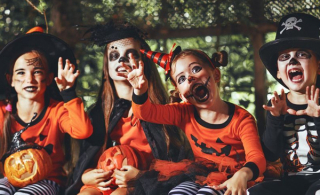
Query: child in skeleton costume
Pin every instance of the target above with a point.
(293, 119)
(223, 136)
(114, 122)
(29, 64)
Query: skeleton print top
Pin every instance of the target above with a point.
(293, 139)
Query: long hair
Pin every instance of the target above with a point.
(5, 133)
(157, 92)
(6, 136)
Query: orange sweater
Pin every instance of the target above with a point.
(128, 131)
(48, 130)
(237, 138)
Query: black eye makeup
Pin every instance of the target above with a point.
(114, 55)
(134, 52)
(196, 69)
(181, 79)
(300, 54)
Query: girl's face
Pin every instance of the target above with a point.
(30, 76)
(117, 52)
(195, 81)
(298, 68)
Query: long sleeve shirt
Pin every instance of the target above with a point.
(293, 139)
(56, 119)
(236, 139)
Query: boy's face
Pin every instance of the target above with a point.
(298, 68)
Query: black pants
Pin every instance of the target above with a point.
(293, 185)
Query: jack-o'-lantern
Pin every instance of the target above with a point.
(25, 163)
(117, 156)
(27, 166)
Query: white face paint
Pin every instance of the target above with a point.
(117, 52)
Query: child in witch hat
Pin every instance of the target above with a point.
(29, 65)
(293, 119)
(223, 136)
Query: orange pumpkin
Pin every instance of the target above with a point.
(27, 166)
(117, 156)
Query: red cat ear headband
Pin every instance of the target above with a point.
(162, 59)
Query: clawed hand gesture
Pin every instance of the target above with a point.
(135, 75)
(312, 98)
(278, 104)
(66, 76)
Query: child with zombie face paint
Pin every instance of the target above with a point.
(34, 104)
(223, 136)
(293, 119)
(115, 125)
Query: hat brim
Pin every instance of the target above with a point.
(50, 45)
(270, 51)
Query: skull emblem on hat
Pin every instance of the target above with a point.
(290, 23)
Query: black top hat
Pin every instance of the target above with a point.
(297, 30)
(51, 46)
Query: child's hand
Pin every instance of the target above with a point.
(97, 177)
(237, 184)
(66, 77)
(125, 175)
(279, 104)
(135, 76)
(313, 109)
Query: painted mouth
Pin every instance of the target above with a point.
(200, 91)
(295, 75)
(31, 89)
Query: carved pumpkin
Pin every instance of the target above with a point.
(117, 156)
(25, 162)
(27, 167)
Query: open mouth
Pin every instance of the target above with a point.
(200, 92)
(122, 69)
(295, 75)
(30, 89)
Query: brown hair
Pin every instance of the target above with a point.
(218, 59)
(157, 92)
(5, 137)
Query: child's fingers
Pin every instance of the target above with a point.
(291, 111)
(283, 96)
(76, 74)
(301, 112)
(141, 66)
(276, 96)
(58, 81)
(316, 96)
(128, 69)
(311, 96)
(133, 61)
(104, 189)
(60, 67)
(268, 108)
(220, 187)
